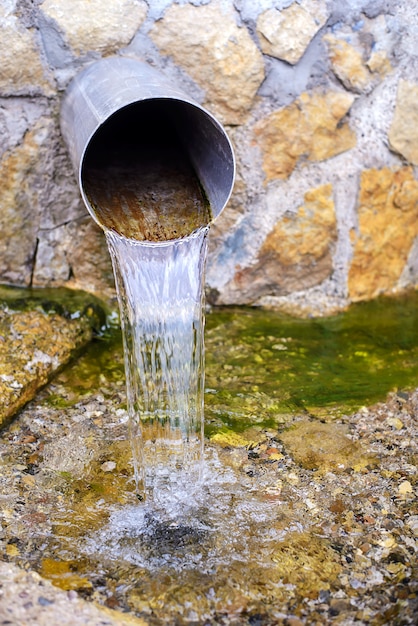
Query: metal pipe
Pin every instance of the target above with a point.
(121, 105)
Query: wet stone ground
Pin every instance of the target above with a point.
(307, 513)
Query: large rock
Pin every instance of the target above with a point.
(21, 173)
(297, 253)
(311, 128)
(96, 25)
(27, 598)
(286, 34)
(221, 57)
(22, 71)
(387, 228)
(33, 346)
(403, 133)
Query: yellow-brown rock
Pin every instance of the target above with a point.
(347, 64)
(21, 67)
(360, 58)
(379, 63)
(325, 447)
(310, 128)
(286, 34)
(96, 25)
(403, 133)
(18, 207)
(296, 254)
(387, 227)
(306, 561)
(33, 345)
(221, 57)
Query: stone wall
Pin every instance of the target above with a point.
(319, 98)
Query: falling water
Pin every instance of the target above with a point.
(160, 291)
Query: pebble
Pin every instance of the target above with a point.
(108, 466)
(412, 522)
(405, 487)
(395, 422)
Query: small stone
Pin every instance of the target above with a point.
(325, 447)
(108, 466)
(230, 439)
(293, 621)
(388, 541)
(347, 63)
(12, 550)
(403, 133)
(275, 456)
(395, 568)
(365, 547)
(412, 522)
(405, 487)
(395, 423)
(287, 33)
(338, 606)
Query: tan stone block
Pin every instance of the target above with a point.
(22, 71)
(403, 133)
(221, 57)
(18, 207)
(96, 25)
(347, 64)
(286, 34)
(387, 228)
(306, 234)
(310, 128)
(296, 254)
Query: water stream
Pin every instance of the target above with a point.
(160, 292)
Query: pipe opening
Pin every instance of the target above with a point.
(148, 172)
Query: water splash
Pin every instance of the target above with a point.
(160, 293)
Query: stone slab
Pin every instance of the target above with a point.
(34, 345)
(27, 598)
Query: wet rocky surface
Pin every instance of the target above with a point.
(304, 516)
(38, 336)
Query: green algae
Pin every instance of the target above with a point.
(262, 366)
(306, 561)
(68, 303)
